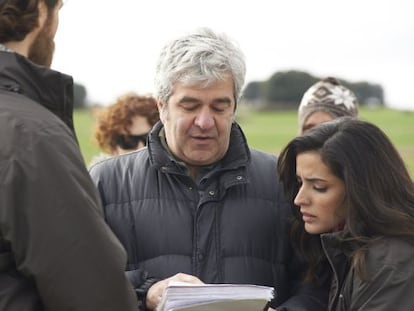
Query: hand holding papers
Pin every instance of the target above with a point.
(214, 297)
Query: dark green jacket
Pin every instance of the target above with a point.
(56, 252)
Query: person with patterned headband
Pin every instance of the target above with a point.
(324, 101)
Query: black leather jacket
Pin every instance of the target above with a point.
(389, 273)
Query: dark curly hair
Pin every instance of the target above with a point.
(19, 17)
(116, 118)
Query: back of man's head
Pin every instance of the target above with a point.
(19, 17)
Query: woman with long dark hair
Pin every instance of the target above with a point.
(353, 204)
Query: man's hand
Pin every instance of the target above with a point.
(155, 291)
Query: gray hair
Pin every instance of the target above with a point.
(202, 57)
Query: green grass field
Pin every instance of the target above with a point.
(270, 131)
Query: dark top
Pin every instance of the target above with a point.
(56, 252)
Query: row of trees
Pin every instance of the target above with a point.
(79, 95)
(284, 90)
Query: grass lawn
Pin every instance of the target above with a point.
(270, 131)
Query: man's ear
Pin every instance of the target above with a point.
(43, 14)
(162, 110)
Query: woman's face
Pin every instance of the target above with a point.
(138, 131)
(315, 119)
(321, 195)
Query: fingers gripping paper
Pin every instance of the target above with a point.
(214, 297)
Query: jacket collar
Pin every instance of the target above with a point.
(49, 88)
(338, 243)
(237, 155)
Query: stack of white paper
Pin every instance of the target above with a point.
(206, 297)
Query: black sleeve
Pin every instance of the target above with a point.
(306, 295)
(141, 283)
(55, 225)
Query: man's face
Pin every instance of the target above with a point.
(197, 121)
(43, 47)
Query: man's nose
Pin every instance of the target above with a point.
(205, 119)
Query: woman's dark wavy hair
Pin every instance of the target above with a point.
(19, 17)
(379, 192)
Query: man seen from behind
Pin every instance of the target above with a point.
(56, 252)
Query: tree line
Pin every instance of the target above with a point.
(284, 90)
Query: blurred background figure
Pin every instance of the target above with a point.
(324, 101)
(124, 125)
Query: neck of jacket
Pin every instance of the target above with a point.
(47, 87)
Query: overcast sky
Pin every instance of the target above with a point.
(111, 46)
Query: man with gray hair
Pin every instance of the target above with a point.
(56, 251)
(197, 204)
